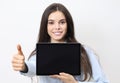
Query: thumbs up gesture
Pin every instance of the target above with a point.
(18, 60)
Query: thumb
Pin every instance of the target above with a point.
(19, 49)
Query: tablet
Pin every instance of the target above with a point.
(53, 58)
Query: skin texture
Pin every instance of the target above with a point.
(65, 77)
(57, 26)
(18, 61)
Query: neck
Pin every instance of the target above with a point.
(57, 41)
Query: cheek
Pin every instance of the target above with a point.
(65, 29)
(48, 30)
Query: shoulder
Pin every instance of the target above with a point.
(90, 52)
(88, 49)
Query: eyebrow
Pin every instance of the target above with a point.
(59, 20)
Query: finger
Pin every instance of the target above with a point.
(18, 61)
(17, 68)
(60, 75)
(15, 65)
(19, 49)
(18, 57)
(64, 74)
(55, 76)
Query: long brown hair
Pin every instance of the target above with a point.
(70, 36)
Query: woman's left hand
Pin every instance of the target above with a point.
(65, 77)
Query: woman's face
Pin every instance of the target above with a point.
(57, 26)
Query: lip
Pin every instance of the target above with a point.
(58, 33)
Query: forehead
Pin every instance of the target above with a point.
(57, 15)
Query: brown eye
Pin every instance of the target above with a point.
(62, 22)
(50, 22)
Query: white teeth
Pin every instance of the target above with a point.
(57, 33)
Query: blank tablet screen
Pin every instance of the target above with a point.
(53, 58)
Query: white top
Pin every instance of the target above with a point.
(98, 75)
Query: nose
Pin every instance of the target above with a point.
(57, 26)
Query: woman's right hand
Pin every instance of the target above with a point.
(18, 60)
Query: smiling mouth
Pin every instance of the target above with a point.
(57, 33)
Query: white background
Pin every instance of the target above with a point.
(97, 24)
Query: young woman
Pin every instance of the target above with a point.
(57, 27)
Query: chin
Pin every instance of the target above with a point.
(58, 39)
